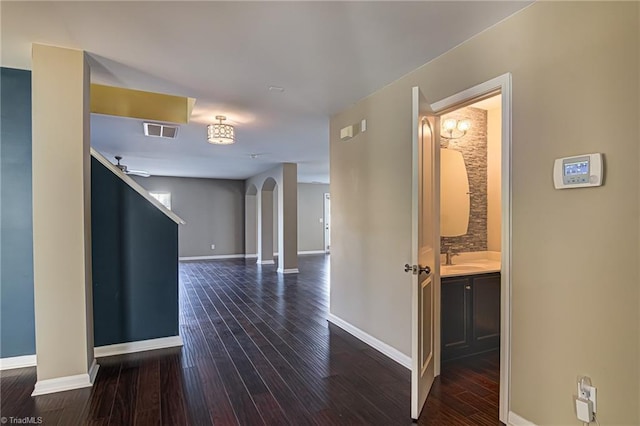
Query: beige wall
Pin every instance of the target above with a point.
(576, 280)
(251, 224)
(371, 217)
(494, 196)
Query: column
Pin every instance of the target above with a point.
(288, 220)
(62, 220)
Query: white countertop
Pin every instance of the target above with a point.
(472, 264)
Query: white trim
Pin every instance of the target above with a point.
(23, 361)
(288, 271)
(497, 83)
(266, 262)
(217, 256)
(251, 256)
(93, 370)
(99, 352)
(136, 187)
(311, 252)
(516, 420)
(138, 346)
(379, 345)
(503, 84)
(66, 383)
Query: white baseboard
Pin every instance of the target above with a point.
(214, 257)
(17, 362)
(251, 256)
(61, 384)
(312, 252)
(516, 420)
(100, 351)
(138, 346)
(389, 351)
(266, 262)
(93, 371)
(289, 271)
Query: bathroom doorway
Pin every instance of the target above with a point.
(473, 301)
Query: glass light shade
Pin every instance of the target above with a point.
(221, 134)
(449, 124)
(464, 125)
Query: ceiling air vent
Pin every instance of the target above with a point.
(160, 130)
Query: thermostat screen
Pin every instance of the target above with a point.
(577, 168)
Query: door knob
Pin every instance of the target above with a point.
(424, 270)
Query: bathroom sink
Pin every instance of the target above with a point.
(464, 268)
(471, 267)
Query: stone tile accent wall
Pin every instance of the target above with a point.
(474, 151)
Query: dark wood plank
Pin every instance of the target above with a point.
(148, 395)
(104, 395)
(172, 406)
(258, 350)
(124, 404)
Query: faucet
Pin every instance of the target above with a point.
(448, 255)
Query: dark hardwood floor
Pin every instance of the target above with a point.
(258, 350)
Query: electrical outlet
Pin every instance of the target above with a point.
(213, 246)
(592, 396)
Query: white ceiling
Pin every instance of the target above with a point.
(326, 55)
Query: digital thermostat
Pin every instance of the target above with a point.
(578, 172)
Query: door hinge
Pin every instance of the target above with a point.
(416, 269)
(411, 268)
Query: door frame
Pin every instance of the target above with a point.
(500, 84)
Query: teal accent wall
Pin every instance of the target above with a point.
(135, 263)
(134, 245)
(17, 322)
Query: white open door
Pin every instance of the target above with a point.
(327, 222)
(425, 253)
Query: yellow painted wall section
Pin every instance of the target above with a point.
(123, 102)
(575, 281)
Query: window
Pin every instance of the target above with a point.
(163, 197)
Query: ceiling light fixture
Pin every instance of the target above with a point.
(455, 129)
(220, 133)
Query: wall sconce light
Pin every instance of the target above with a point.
(454, 129)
